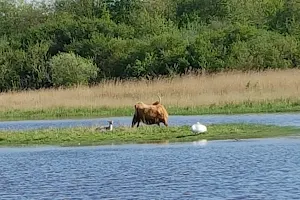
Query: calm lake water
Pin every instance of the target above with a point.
(282, 119)
(249, 169)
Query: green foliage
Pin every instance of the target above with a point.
(243, 47)
(8, 76)
(81, 8)
(201, 10)
(264, 50)
(23, 69)
(254, 12)
(135, 38)
(16, 19)
(287, 18)
(161, 55)
(68, 69)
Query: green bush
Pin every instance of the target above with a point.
(68, 69)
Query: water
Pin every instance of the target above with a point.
(282, 119)
(249, 169)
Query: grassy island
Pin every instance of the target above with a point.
(145, 134)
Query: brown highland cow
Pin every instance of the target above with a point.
(155, 113)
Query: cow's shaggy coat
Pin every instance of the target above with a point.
(154, 113)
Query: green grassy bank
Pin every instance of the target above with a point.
(86, 112)
(145, 134)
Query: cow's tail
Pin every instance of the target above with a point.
(157, 102)
(159, 98)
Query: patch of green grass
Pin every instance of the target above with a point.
(281, 105)
(143, 134)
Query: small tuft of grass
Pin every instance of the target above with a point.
(144, 134)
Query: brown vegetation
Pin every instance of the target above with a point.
(189, 90)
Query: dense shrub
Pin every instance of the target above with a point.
(264, 50)
(67, 69)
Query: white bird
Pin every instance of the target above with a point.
(198, 128)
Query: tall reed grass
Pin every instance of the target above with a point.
(188, 90)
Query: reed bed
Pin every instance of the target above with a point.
(185, 91)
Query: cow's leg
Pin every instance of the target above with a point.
(134, 121)
(138, 122)
(133, 124)
(165, 122)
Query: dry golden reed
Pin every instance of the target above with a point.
(189, 90)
